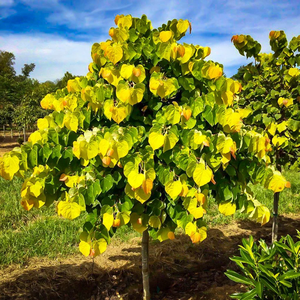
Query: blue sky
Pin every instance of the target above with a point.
(57, 35)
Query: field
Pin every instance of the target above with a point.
(39, 257)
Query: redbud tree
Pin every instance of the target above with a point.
(143, 139)
(271, 94)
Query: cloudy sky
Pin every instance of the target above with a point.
(57, 35)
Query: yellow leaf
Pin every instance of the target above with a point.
(120, 149)
(153, 85)
(84, 248)
(141, 196)
(214, 72)
(244, 112)
(71, 122)
(282, 126)
(150, 174)
(137, 222)
(156, 140)
(9, 166)
(112, 76)
(135, 179)
(36, 189)
(293, 72)
(170, 141)
(227, 98)
(124, 21)
(197, 212)
(76, 149)
(199, 138)
(137, 94)
(201, 198)
(226, 158)
(154, 222)
(147, 185)
(99, 246)
(260, 214)
(68, 210)
(163, 234)
(129, 191)
(92, 149)
(114, 53)
(277, 141)
(277, 182)
(285, 102)
(202, 174)
(165, 36)
(138, 74)
(124, 94)
(227, 208)
(231, 121)
(272, 128)
(72, 181)
(182, 25)
(73, 85)
(197, 235)
(35, 137)
(173, 188)
(119, 114)
(190, 228)
(126, 71)
(103, 147)
(47, 102)
(42, 124)
(108, 220)
(188, 53)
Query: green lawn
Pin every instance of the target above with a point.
(41, 233)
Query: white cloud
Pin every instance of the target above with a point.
(213, 22)
(52, 55)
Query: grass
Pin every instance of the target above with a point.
(26, 234)
(289, 201)
(40, 233)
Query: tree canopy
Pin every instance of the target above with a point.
(143, 139)
(271, 93)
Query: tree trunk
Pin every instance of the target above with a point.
(145, 265)
(275, 218)
(4, 131)
(24, 133)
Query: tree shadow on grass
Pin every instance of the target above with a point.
(179, 269)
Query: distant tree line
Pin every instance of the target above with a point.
(20, 95)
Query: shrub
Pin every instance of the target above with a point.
(269, 272)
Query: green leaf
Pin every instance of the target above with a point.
(107, 183)
(236, 277)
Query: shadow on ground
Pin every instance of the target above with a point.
(179, 269)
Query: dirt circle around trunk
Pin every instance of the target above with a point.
(179, 269)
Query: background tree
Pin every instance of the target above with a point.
(271, 94)
(143, 139)
(7, 87)
(20, 95)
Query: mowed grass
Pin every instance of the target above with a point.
(289, 201)
(41, 233)
(26, 234)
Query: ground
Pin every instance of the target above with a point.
(179, 269)
(8, 143)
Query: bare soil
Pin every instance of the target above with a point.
(7, 143)
(179, 269)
